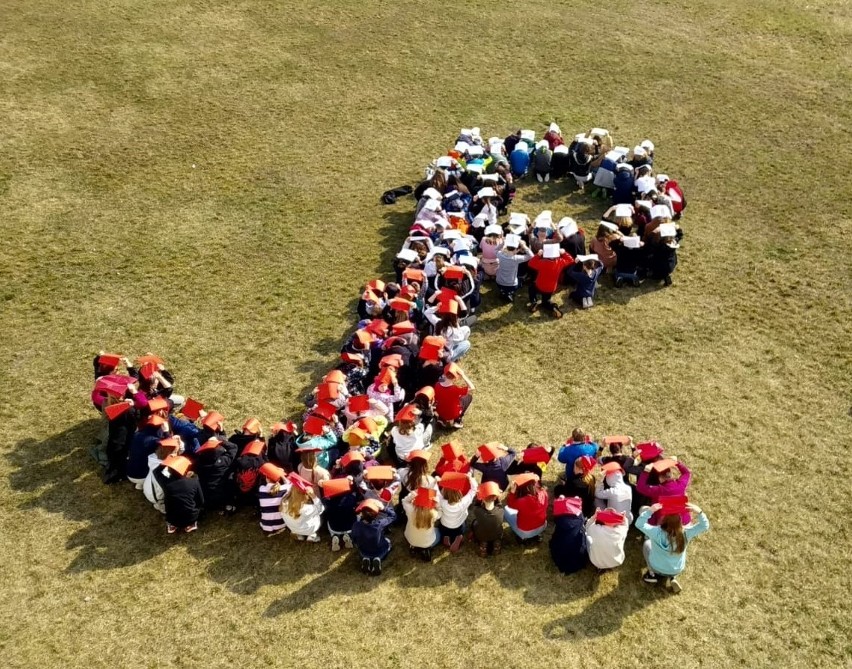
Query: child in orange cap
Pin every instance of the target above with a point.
(421, 529)
(281, 446)
(453, 396)
(581, 483)
(121, 430)
(269, 496)
(606, 532)
(666, 477)
(409, 434)
(369, 534)
(492, 461)
(452, 459)
(487, 519)
(246, 477)
(568, 544)
(183, 498)
(526, 508)
(213, 463)
(340, 498)
(151, 488)
(250, 430)
(612, 492)
(385, 389)
(455, 495)
(302, 509)
(415, 474)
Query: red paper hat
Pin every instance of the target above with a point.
(252, 426)
(411, 274)
(452, 450)
(208, 445)
(453, 272)
(156, 420)
(536, 455)
(377, 327)
(314, 426)
(490, 451)
(425, 498)
(406, 327)
(447, 294)
(335, 376)
(428, 392)
(170, 442)
(609, 517)
(351, 456)
(673, 504)
(663, 465)
(149, 359)
(368, 424)
(648, 450)
(324, 410)
(394, 361)
(351, 357)
(611, 468)
(409, 412)
(147, 370)
(357, 436)
(613, 439)
(448, 307)
(113, 411)
(373, 504)
(385, 377)
(328, 391)
(408, 292)
(430, 352)
(308, 449)
(213, 420)
(156, 404)
(289, 427)
(299, 483)
(358, 403)
(417, 454)
(273, 472)
(587, 463)
(178, 463)
(379, 473)
(401, 304)
(377, 285)
(524, 479)
(111, 360)
(364, 338)
(567, 506)
(455, 481)
(254, 447)
(435, 340)
(488, 489)
(113, 385)
(452, 371)
(370, 296)
(192, 409)
(335, 487)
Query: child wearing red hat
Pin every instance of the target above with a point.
(340, 498)
(318, 434)
(526, 508)
(310, 470)
(386, 390)
(369, 534)
(533, 459)
(581, 483)
(606, 532)
(568, 544)
(493, 461)
(409, 434)
(213, 462)
(301, 509)
(665, 546)
(415, 475)
(269, 496)
(151, 488)
(281, 446)
(452, 459)
(456, 493)
(421, 529)
(580, 444)
(666, 477)
(487, 519)
(183, 498)
(612, 492)
(246, 477)
(453, 396)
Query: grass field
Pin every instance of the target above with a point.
(201, 179)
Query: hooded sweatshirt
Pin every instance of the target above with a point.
(616, 494)
(606, 543)
(568, 545)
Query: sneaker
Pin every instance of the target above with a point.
(483, 549)
(171, 529)
(674, 586)
(667, 281)
(347, 541)
(540, 178)
(426, 555)
(457, 543)
(335, 543)
(300, 537)
(498, 546)
(458, 424)
(314, 538)
(556, 313)
(191, 528)
(649, 577)
(230, 509)
(365, 565)
(533, 307)
(587, 303)
(376, 568)
(446, 541)
(547, 177)
(470, 320)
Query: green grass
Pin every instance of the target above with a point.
(241, 272)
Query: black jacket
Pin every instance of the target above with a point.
(213, 467)
(568, 546)
(183, 498)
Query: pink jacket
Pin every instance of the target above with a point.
(669, 488)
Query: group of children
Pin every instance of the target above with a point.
(358, 461)
(466, 191)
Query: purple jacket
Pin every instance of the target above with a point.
(669, 488)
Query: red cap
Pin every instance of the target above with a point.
(406, 327)
(536, 455)
(111, 360)
(113, 386)
(335, 376)
(455, 481)
(254, 447)
(454, 272)
(435, 340)
(149, 359)
(611, 468)
(358, 403)
(490, 451)
(612, 439)
(170, 442)
(379, 473)
(377, 285)
(335, 487)
(273, 472)
(147, 370)
(308, 449)
(430, 352)
(328, 391)
(351, 456)
(370, 296)
(448, 307)
(673, 504)
(401, 304)
(386, 377)
(394, 361)
(252, 426)
(156, 404)
(208, 445)
(409, 412)
(425, 498)
(191, 409)
(178, 463)
(373, 504)
(368, 425)
(524, 479)
(351, 357)
(609, 517)
(314, 426)
(488, 489)
(587, 463)
(663, 465)
(408, 292)
(417, 454)
(565, 506)
(213, 420)
(289, 427)
(648, 450)
(428, 392)
(377, 327)
(411, 274)
(113, 411)
(452, 371)
(364, 338)
(156, 420)
(447, 294)
(299, 483)
(325, 410)
(452, 450)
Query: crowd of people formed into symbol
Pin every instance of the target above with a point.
(357, 463)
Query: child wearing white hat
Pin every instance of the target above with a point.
(511, 255)
(541, 161)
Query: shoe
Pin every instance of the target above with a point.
(556, 313)
(497, 548)
(300, 537)
(347, 541)
(376, 567)
(667, 281)
(335, 543)
(446, 541)
(540, 178)
(314, 538)
(533, 307)
(674, 586)
(191, 528)
(470, 320)
(587, 303)
(171, 529)
(457, 543)
(649, 577)
(547, 177)
(230, 509)
(483, 549)
(426, 555)
(365, 565)
(458, 424)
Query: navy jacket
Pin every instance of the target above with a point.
(370, 537)
(568, 546)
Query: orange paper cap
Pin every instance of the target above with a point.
(208, 445)
(377, 327)
(379, 473)
(252, 426)
(149, 360)
(567, 506)
(426, 391)
(448, 307)
(325, 410)
(273, 472)
(613, 439)
(452, 450)
(409, 412)
(299, 483)
(314, 426)
(351, 456)
(611, 468)
(113, 411)
(430, 352)
(111, 360)
(663, 465)
(335, 376)
(394, 361)
(377, 285)
(488, 489)
(191, 409)
(328, 391)
(412, 274)
(359, 403)
(452, 371)
(524, 479)
(351, 357)
(609, 517)
(536, 455)
(372, 504)
(254, 447)
(178, 463)
(213, 420)
(587, 463)
(156, 420)
(425, 498)
(406, 327)
(335, 487)
(147, 370)
(490, 451)
(455, 481)
(452, 272)
(417, 454)
(156, 404)
(385, 377)
(401, 304)
(289, 427)
(364, 338)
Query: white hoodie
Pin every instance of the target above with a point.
(606, 544)
(151, 488)
(618, 496)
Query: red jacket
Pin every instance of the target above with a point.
(549, 271)
(673, 190)
(448, 401)
(532, 510)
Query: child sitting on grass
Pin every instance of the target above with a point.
(369, 534)
(302, 509)
(487, 520)
(456, 493)
(421, 529)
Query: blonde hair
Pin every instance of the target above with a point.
(452, 495)
(293, 501)
(423, 518)
(309, 459)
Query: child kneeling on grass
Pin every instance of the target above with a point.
(182, 494)
(340, 500)
(548, 264)
(487, 519)
(568, 546)
(606, 532)
(302, 509)
(455, 495)
(369, 534)
(269, 496)
(526, 508)
(421, 530)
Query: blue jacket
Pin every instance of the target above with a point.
(570, 452)
(623, 193)
(519, 161)
(494, 470)
(145, 442)
(586, 284)
(370, 537)
(187, 431)
(324, 442)
(568, 545)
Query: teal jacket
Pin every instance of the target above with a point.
(662, 559)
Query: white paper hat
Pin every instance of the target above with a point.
(580, 137)
(512, 241)
(480, 220)
(645, 204)
(626, 167)
(544, 219)
(432, 194)
(567, 226)
(543, 144)
(475, 168)
(522, 146)
(561, 149)
(460, 245)
(551, 251)
(461, 147)
(553, 128)
(489, 178)
(639, 152)
(660, 211)
(407, 254)
(662, 178)
(475, 151)
(495, 140)
(439, 251)
(495, 147)
(623, 211)
(600, 132)
(614, 155)
(474, 132)
(591, 256)
(487, 192)
(610, 226)
(528, 136)
(518, 222)
(645, 184)
(450, 235)
(647, 144)
(432, 205)
(631, 242)
(468, 261)
(623, 150)
(444, 162)
(493, 229)
(667, 230)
